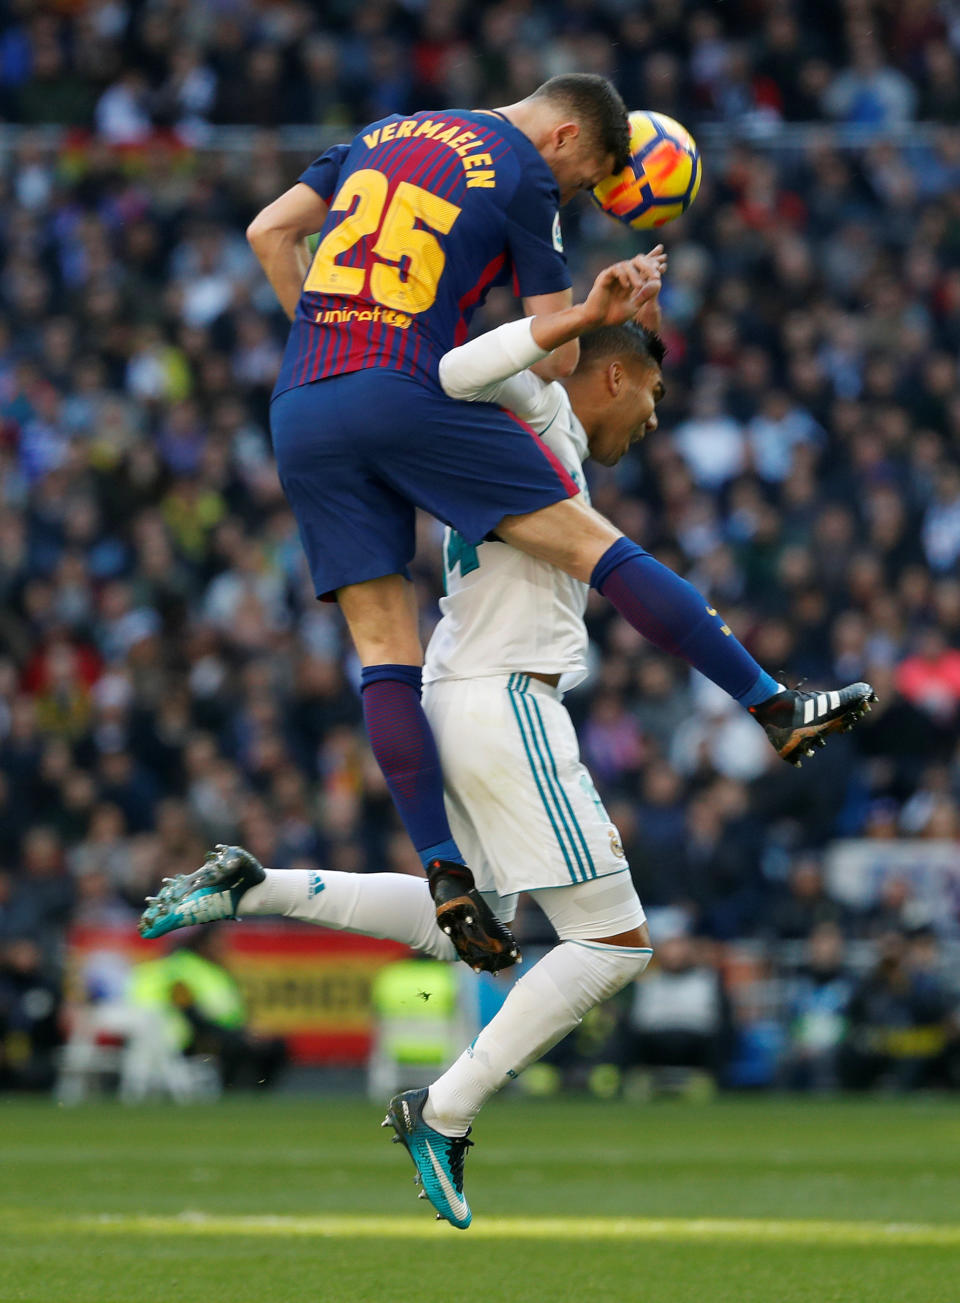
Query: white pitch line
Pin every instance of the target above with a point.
(704, 1229)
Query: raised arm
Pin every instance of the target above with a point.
(278, 236)
(618, 294)
(478, 370)
(563, 360)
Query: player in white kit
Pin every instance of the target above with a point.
(511, 639)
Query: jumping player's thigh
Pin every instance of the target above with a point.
(381, 615)
(354, 527)
(601, 910)
(468, 464)
(570, 535)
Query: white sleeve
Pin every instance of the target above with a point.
(474, 371)
(534, 400)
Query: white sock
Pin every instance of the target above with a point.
(541, 1009)
(392, 905)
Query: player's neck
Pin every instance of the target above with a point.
(530, 119)
(587, 412)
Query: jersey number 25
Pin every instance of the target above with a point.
(409, 259)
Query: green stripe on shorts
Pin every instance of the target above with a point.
(514, 690)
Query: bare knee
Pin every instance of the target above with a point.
(637, 938)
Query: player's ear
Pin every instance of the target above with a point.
(614, 378)
(565, 134)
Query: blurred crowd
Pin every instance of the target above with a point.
(167, 679)
(135, 65)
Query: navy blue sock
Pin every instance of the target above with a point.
(406, 752)
(672, 615)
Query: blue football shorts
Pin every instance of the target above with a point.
(357, 453)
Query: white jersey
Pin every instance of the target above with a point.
(522, 806)
(504, 611)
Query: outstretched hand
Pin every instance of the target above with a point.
(621, 291)
(627, 291)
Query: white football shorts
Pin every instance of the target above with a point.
(522, 807)
(581, 911)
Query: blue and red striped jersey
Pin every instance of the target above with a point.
(427, 212)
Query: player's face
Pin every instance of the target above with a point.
(630, 414)
(575, 163)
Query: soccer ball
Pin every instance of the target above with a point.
(662, 178)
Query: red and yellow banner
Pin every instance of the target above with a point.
(307, 984)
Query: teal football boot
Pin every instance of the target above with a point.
(437, 1158)
(209, 893)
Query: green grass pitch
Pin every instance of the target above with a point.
(279, 1199)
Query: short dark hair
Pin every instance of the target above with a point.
(596, 103)
(628, 340)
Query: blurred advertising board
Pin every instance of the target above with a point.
(307, 984)
(858, 870)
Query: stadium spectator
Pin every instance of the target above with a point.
(679, 1016)
(204, 1007)
(817, 1001)
(805, 905)
(900, 1030)
(29, 1018)
(930, 678)
(870, 91)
